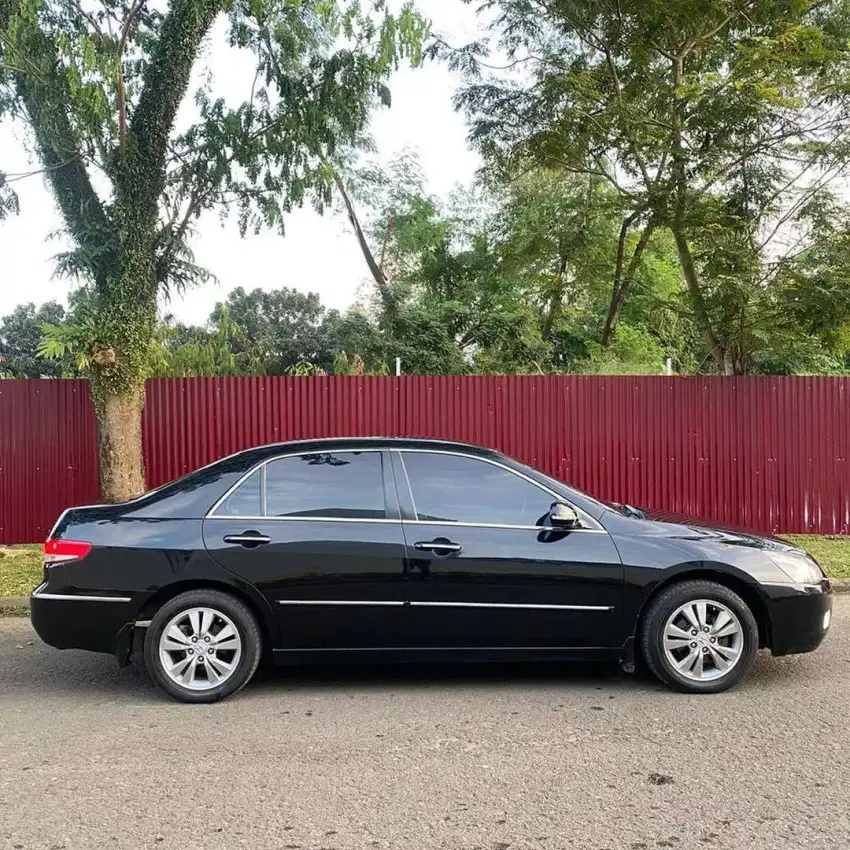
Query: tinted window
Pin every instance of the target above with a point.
(245, 500)
(448, 488)
(344, 485)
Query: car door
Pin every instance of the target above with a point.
(319, 534)
(486, 570)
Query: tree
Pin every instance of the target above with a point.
(186, 351)
(279, 328)
(20, 335)
(719, 122)
(100, 88)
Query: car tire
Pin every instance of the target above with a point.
(681, 624)
(199, 621)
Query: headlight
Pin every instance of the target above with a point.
(801, 569)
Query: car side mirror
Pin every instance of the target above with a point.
(562, 515)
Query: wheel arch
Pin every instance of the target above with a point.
(258, 607)
(717, 573)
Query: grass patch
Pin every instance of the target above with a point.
(832, 553)
(20, 570)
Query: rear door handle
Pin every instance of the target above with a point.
(441, 547)
(249, 539)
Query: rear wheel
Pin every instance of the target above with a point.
(202, 646)
(699, 637)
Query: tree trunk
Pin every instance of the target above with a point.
(623, 282)
(122, 472)
(375, 267)
(557, 299)
(720, 353)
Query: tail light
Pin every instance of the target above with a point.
(62, 551)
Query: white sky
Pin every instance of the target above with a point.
(318, 253)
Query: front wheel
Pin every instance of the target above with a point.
(202, 646)
(699, 637)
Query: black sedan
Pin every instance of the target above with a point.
(387, 549)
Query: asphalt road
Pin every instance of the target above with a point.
(92, 756)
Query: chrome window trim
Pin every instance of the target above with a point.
(67, 597)
(306, 519)
(426, 522)
(593, 524)
(498, 525)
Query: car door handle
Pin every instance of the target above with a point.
(441, 547)
(249, 539)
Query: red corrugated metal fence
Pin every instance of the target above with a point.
(768, 454)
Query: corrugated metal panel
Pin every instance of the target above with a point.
(768, 454)
(48, 455)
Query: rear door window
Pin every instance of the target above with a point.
(327, 485)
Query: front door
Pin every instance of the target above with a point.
(319, 535)
(487, 571)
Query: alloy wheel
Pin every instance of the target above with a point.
(703, 640)
(200, 648)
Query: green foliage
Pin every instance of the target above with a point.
(721, 122)
(20, 336)
(279, 328)
(100, 89)
(633, 351)
(182, 352)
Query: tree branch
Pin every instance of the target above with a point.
(122, 94)
(374, 267)
(44, 94)
(164, 85)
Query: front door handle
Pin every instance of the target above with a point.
(248, 539)
(440, 547)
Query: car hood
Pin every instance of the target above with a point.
(682, 526)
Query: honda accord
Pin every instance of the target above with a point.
(402, 549)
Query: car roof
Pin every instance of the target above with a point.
(327, 443)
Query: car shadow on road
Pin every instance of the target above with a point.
(768, 674)
(43, 672)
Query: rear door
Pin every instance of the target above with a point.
(319, 534)
(487, 571)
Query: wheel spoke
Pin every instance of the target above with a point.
(699, 665)
(221, 667)
(170, 645)
(225, 634)
(702, 614)
(176, 635)
(720, 662)
(673, 631)
(723, 619)
(232, 643)
(189, 675)
(731, 628)
(195, 620)
(206, 620)
(691, 616)
(729, 652)
(212, 674)
(688, 661)
(179, 668)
